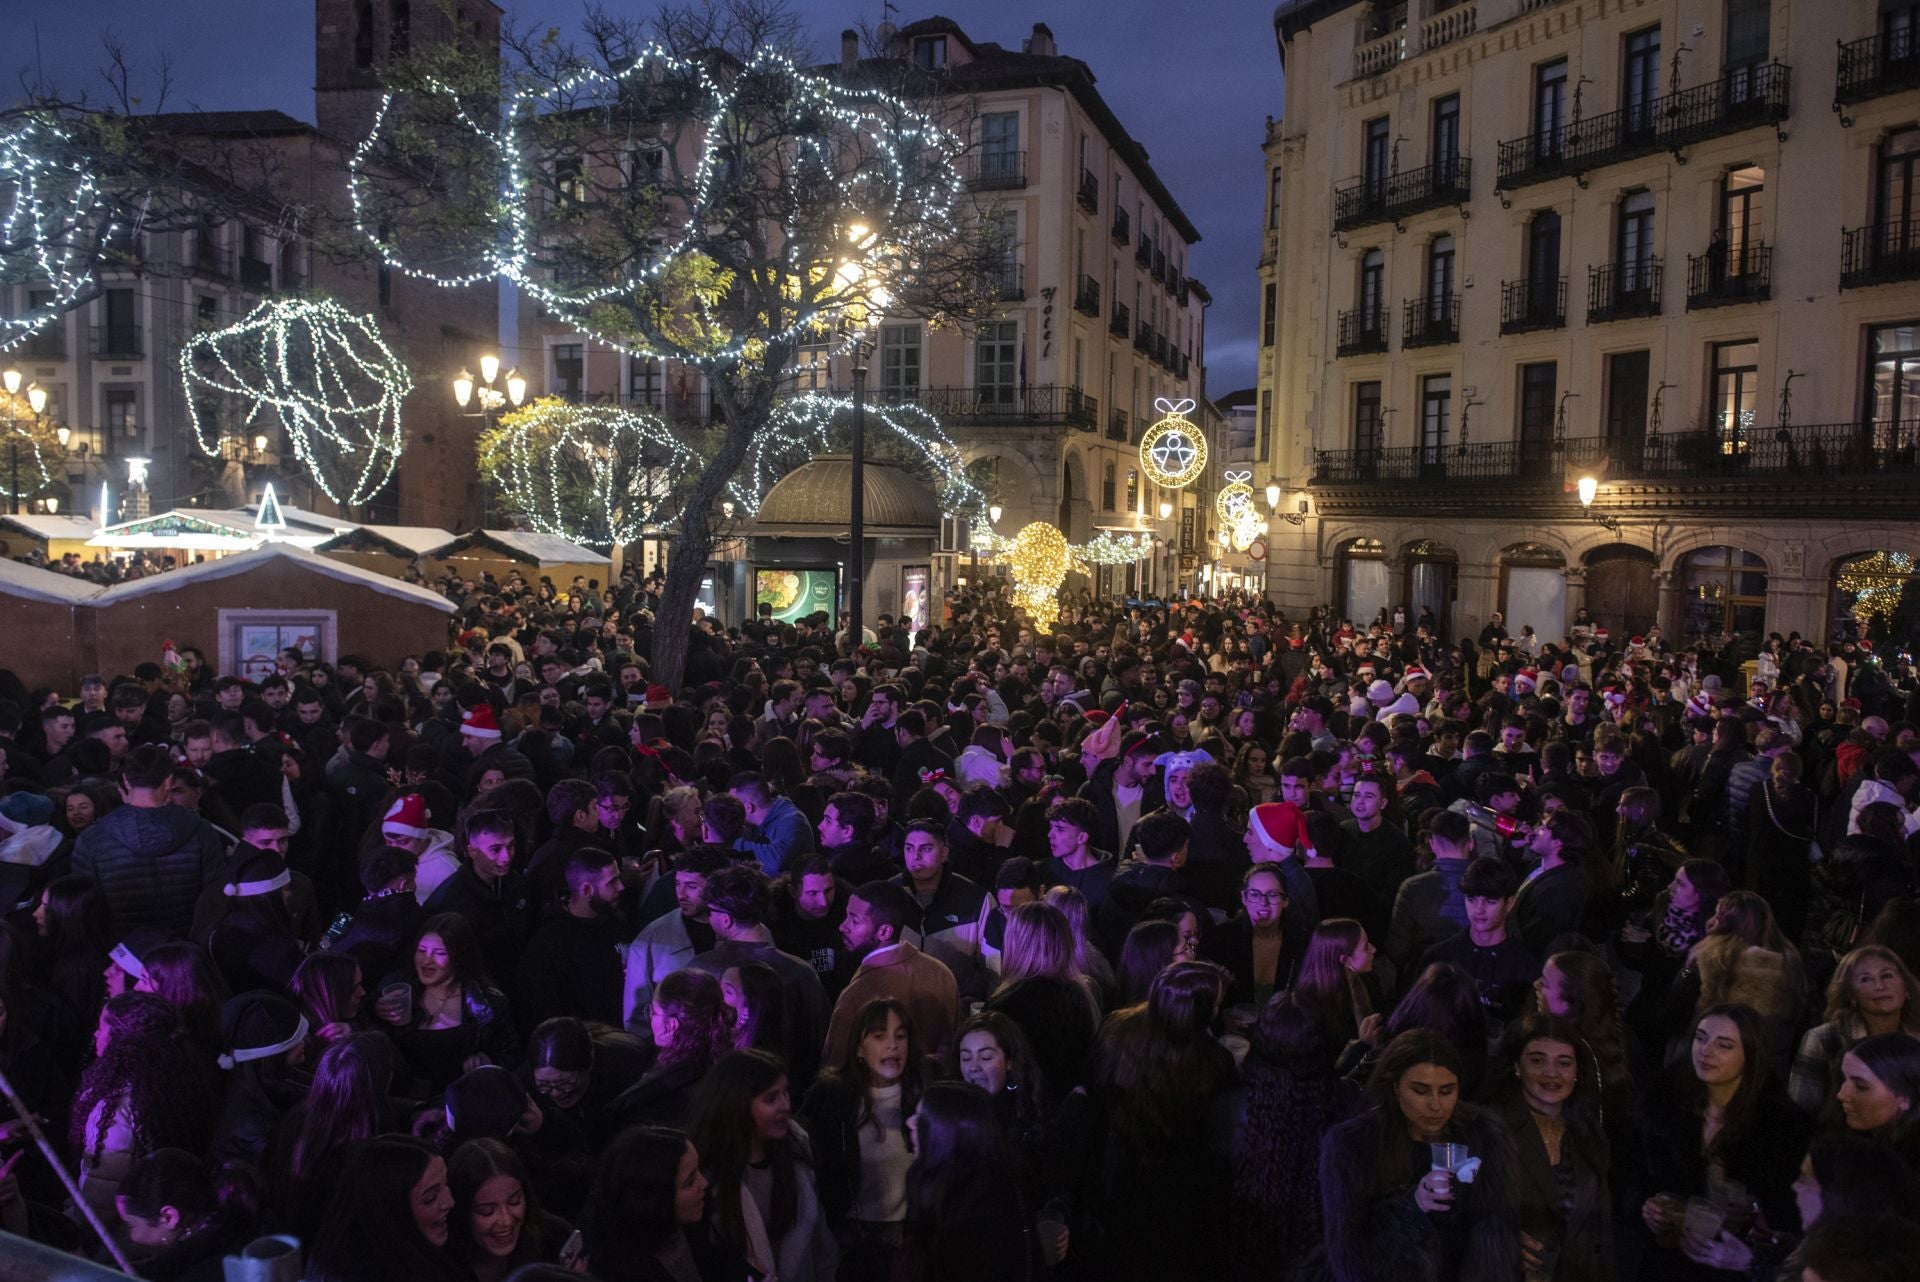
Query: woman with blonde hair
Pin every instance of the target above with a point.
(1095, 971)
(1872, 992)
(1040, 990)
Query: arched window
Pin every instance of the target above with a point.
(363, 33)
(1723, 595)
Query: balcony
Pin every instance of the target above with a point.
(1430, 322)
(1159, 352)
(1744, 98)
(1716, 280)
(1087, 300)
(256, 274)
(49, 344)
(1004, 406)
(1362, 331)
(1374, 56)
(1117, 426)
(1089, 194)
(1389, 198)
(1880, 254)
(1122, 227)
(1530, 305)
(1143, 252)
(1122, 323)
(1623, 291)
(1159, 263)
(680, 407)
(118, 342)
(1449, 25)
(1186, 365)
(1875, 67)
(996, 170)
(1010, 283)
(1174, 280)
(1185, 291)
(1143, 339)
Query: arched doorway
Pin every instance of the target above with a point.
(1533, 589)
(1723, 595)
(1431, 582)
(1076, 509)
(1876, 595)
(1362, 587)
(1621, 595)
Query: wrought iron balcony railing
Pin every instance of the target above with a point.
(1010, 282)
(1086, 300)
(1122, 323)
(1430, 322)
(1880, 254)
(1623, 291)
(1117, 425)
(996, 170)
(1876, 66)
(1361, 331)
(1389, 197)
(1717, 279)
(1527, 305)
(1122, 227)
(1089, 192)
(118, 342)
(1004, 405)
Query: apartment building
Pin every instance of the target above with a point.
(1603, 303)
(1098, 316)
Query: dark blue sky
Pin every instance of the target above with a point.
(1193, 83)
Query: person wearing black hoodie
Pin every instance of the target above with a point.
(846, 839)
(1154, 872)
(383, 927)
(575, 963)
(254, 945)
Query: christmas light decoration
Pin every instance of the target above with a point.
(54, 220)
(1039, 559)
(1107, 548)
(807, 425)
(327, 376)
(599, 475)
(1239, 516)
(1876, 583)
(888, 165)
(1172, 451)
(20, 443)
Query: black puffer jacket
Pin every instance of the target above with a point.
(151, 863)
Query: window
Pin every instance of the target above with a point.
(400, 35)
(1893, 384)
(1640, 81)
(1005, 236)
(569, 370)
(1439, 277)
(1539, 386)
(1633, 248)
(120, 411)
(1266, 426)
(1133, 489)
(1368, 427)
(1379, 146)
(1273, 200)
(1723, 594)
(1627, 403)
(645, 384)
(1736, 394)
(1549, 109)
(1107, 488)
(930, 52)
(121, 334)
(1543, 254)
(1899, 25)
(647, 166)
(570, 181)
(1747, 45)
(1436, 409)
(1269, 318)
(363, 33)
(811, 370)
(1000, 145)
(1373, 284)
(1897, 210)
(1740, 216)
(899, 361)
(1445, 148)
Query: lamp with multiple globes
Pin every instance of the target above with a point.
(36, 397)
(491, 398)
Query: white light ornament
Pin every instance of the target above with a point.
(54, 221)
(598, 475)
(325, 373)
(1239, 515)
(1173, 453)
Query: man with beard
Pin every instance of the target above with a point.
(573, 964)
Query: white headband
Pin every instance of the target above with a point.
(246, 1053)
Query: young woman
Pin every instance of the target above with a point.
(1872, 992)
(1658, 945)
(1716, 1118)
(1551, 1110)
(1386, 1206)
(1446, 1000)
(1252, 768)
(647, 1219)
(967, 1215)
(1150, 947)
(453, 1018)
(185, 975)
(991, 1052)
(1744, 960)
(1330, 983)
(71, 923)
(497, 1224)
(1579, 988)
(760, 1167)
(1879, 1094)
(330, 992)
(1095, 971)
(1041, 992)
(692, 1028)
(171, 1206)
(753, 997)
(345, 1104)
(1259, 956)
(856, 1116)
(389, 1222)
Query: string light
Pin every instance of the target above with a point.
(1239, 515)
(55, 221)
(1172, 452)
(593, 474)
(327, 376)
(890, 166)
(1876, 584)
(809, 424)
(1108, 548)
(21, 437)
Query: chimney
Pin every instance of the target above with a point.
(849, 49)
(1041, 42)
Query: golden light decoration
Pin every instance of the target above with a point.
(1875, 583)
(1039, 559)
(1239, 514)
(1173, 453)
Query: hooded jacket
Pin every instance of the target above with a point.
(781, 837)
(1873, 790)
(151, 863)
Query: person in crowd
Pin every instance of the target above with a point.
(496, 1225)
(648, 1218)
(879, 915)
(1041, 992)
(391, 1220)
(182, 1216)
(1872, 993)
(1260, 955)
(1879, 1093)
(445, 1013)
(691, 1028)
(1551, 1108)
(967, 1216)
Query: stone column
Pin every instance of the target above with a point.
(1576, 577)
(1666, 582)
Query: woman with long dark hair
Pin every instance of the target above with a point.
(1579, 988)
(1879, 1094)
(1743, 960)
(183, 1215)
(71, 921)
(497, 1224)
(692, 1028)
(1330, 982)
(345, 1104)
(1446, 1000)
(1150, 947)
(1391, 1211)
(1658, 947)
(389, 1220)
(967, 1217)
(647, 1218)
(760, 1166)
(1551, 1107)
(452, 1018)
(330, 990)
(185, 975)
(755, 1003)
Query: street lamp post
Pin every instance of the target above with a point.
(486, 398)
(36, 402)
(857, 505)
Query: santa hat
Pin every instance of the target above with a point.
(658, 696)
(1526, 679)
(1637, 641)
(1380, 692)
(260, 1025)
(478, 723)
(1365, 669)
(1600, 634)
(1280, 827)
(130, 954)
(1417, 673)
(1699, 706)
(407, 817)
(252, 871)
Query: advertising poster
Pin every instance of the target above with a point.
(794, 594)
(915, 582)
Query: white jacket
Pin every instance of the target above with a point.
(1871, 791)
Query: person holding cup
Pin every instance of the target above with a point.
(1420, 1183)
(1720, 1130)
(1551, 1107)
(447, 1017)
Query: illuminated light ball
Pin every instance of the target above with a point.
(1040, 560)
(1173, 453)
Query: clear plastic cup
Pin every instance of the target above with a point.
(400, 995)
(1703, 1219)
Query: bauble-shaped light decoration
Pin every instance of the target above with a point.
(1239, 514)
(598, 475)
(1039, 559)
(54, 221)
(804, 426)
(1173, 453)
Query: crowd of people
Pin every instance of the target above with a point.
(1170, 941)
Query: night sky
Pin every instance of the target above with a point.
(1193, 84)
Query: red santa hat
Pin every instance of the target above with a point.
(1526, 679)
(1699, 706)
(1279, 827)
(658, 696)
(478, 723)
(407, 817)
(1417, 673)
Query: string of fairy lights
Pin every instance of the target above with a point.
(324, 373)
(808, 424)
(598, 475)
(55, 218)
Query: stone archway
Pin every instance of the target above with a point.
(1025, 491)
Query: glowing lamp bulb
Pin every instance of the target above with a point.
(53, 505)
(64, 434)
(489, 369)
(463, 388)
(1273, 494)
(993, 513)
(516, 386)
(1166, 509)
(260, 444)
(37, 398)
(1589, 487)
(12, 380)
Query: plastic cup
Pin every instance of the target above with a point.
(400, 995)
(1448, 1157)
(1048, 1225)
(1702, 1220)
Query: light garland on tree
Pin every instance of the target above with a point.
(1173, 453)
(1238, 513)
(327, 376)
(626, 465)
(36, 476)
(55, 220)
(904, 177)
(1108, 548)
(804, 426)
(1876, 583)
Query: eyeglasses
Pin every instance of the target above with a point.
(1264, 896)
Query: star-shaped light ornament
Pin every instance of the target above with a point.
(1173, 453)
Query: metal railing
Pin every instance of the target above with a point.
(1087, 299)
(114, 342)
(48, 344)
(1089, 194)
(1430, 322)
(1010, 282)
(995, 170)
(1143, 252)
(1143, 338)
(1527, 305)
(1622, 291)
(1117, 425)
(1807, 450)
(1360, 201)
(1717, 279)
(1002, 405)
(1877, 65)
(1122, 323)
(1742, 99)
(1361, 331)
(1122, 227)
(1880, 253)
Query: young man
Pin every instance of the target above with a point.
(809, 903)
(846, 840)
(1073, 858)
(879, 914)
(488, 892)
(1159, 853)
(1430, 906)
(150, 858)
(952, 909)
(572, 965)
(739, 907)
(1502, 966)
(776, 833)
(1122, 790)
(1375, 850)
(979, 834)
(667, 943)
